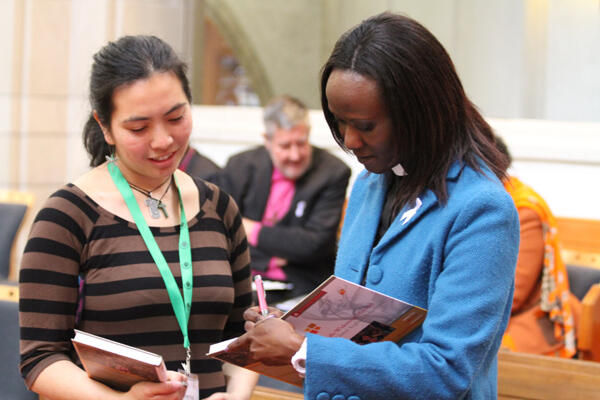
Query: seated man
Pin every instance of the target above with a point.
(541, 321)
(198, 166)
(290, 195)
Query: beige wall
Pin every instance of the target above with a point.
(47, 48)
(517, 59)
(276, 41)
(532, 58)
(48, 45)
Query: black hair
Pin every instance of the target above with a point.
(119, 63)
(434, 122)
(503, 148)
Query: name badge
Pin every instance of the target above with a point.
(193, 388)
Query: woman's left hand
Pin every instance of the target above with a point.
(272, 341)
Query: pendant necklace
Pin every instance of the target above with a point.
(154, 204)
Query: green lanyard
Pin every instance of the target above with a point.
(181, 308)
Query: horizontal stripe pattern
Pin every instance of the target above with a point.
(124, 296)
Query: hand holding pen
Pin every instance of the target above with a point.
(255, 314)
(268, 338)
(262, 297)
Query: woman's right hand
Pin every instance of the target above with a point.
(252, 315)
(173, 389)
(272, 341)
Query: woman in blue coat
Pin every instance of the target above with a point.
(428, 222)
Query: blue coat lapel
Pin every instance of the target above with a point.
(406, 219)
(402, 225)
(365, 211)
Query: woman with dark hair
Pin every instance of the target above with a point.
(162, 257)
(428, 222)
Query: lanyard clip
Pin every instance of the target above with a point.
(187, 368)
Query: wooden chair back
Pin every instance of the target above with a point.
(580, 241)
(531, 376)
(9, 291)
(588, 336)
(267, 393)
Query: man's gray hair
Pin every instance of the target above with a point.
(284, 112)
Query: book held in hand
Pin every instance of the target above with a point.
(336, 308)
(118, 365)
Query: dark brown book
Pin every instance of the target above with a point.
(118, 365)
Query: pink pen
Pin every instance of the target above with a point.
(260, 293)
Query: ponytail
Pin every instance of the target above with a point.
(93, 140)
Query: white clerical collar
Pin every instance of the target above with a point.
(398, 170)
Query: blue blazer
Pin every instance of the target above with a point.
(456, 260)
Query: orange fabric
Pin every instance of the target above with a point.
(529, 262)
(508, 343)
(555, 298)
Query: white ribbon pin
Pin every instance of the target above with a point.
(300, 208)
(408, 214)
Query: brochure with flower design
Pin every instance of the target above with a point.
(336, 308)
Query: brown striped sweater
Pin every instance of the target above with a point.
(124, 297)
